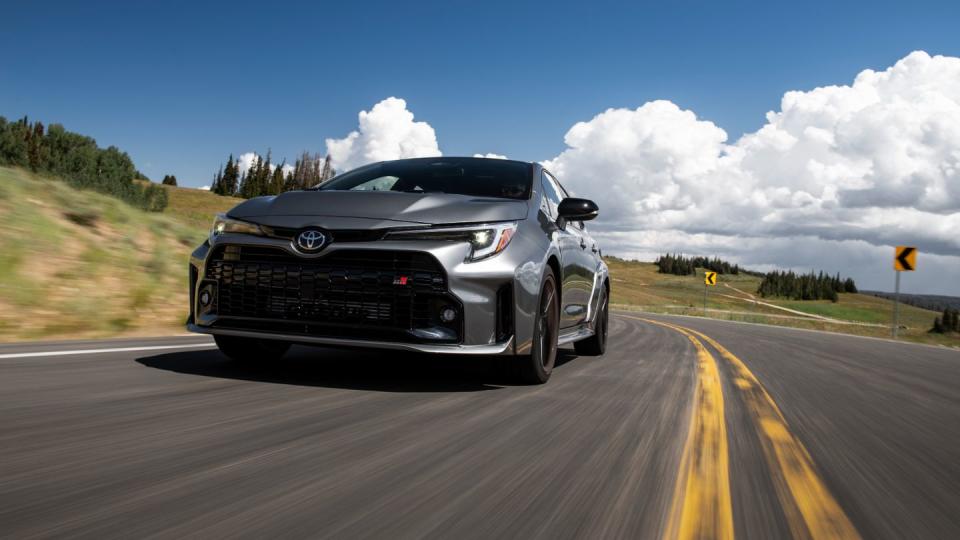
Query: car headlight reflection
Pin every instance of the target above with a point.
(485, 240)
(222, 225)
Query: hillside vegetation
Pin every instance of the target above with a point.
(76, 159)
(75, 263)
(79, 264)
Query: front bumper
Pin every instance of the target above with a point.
(483, 350)
(477, 288)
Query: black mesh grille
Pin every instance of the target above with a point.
(345, 292)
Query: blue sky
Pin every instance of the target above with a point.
(833, 181)
(180, 85)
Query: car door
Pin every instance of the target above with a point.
(574, 292)
(594, 261)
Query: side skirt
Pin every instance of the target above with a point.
(574, 334)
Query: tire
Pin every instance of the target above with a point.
(251, 350)
(536, 367)
(596, 344)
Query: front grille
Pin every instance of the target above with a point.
(374, 294)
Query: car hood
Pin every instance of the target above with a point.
(375, 209)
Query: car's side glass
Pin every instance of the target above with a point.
(551, 196)
(560, 194)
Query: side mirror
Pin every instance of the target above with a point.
(572, 209)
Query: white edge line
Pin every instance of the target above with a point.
(99, 351)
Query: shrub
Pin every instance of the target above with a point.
(76, 159)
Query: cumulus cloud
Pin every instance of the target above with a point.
(490, 156)
(246, 160)
(875, 163)
(387, 131)
(204, 188)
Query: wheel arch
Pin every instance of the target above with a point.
(554, 263)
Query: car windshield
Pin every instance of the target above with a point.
(462, 176)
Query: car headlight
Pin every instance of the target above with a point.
(485, 240)
(222, 225)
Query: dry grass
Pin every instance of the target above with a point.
(196, 208)
(79, 264)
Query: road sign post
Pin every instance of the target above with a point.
(896, 306)
(704, 299)
(904, 260)
(709, 280)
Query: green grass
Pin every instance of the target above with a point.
(839, 310)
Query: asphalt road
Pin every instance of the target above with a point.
(741, 430)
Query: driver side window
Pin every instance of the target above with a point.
(551, 196)
(553, 193)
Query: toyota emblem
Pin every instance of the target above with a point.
(311, 240)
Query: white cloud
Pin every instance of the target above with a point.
(844, 172)
(387, 131)
(490, 156)
(204, 188)
(246, 160)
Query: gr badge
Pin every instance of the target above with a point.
(710, 278)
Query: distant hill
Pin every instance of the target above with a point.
(933, 302)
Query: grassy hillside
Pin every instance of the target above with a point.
(80, 264)
(637, 285)
(76, 264)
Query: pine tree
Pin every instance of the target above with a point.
(231, 178)
(951, 320)
(277, 182)
(937, 326)
(246, 184)
(217, 185)
(328, 171)
(170, 180)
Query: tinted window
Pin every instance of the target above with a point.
(463, 176)
(552, 195)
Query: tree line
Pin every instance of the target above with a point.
(680, 265)
(948, 322)
(264, 177)
(77, 160)
(805, 286)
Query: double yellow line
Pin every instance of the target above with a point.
(701, 506)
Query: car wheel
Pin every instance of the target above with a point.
(537, 367)
(251, 350)
(596, 345)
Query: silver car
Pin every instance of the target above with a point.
(437, 255)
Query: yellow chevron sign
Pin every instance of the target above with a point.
(905, 259)
(710, 278)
